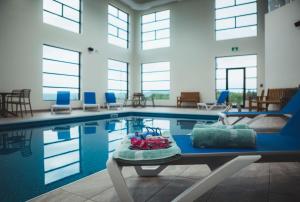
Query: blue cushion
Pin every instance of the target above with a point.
(89, 98)
(110, 98)
(293, 105)
(63, 98)
(223, 97)
(264, 143)
(287, 140)
(292, 128)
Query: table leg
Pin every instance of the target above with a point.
(2, 112)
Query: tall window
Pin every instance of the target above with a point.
(61, 72)
(118, 26)
(156, 80)
(65, 14)
(238, 74)
(156, 30)
(118, 78)
(236, 19)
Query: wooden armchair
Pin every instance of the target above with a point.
(191, 97)
(253, 101)
(276, 96)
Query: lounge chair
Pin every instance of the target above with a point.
(221, 102)
(111, 101)
(277, 147)
(62, 101)
(289, 109)
(90, 101)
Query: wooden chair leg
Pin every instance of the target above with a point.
(17, 108)
(21, 110)
(25, 108)
(30, 108)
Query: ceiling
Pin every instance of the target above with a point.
(146, 4)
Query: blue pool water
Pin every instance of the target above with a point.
(37, 160)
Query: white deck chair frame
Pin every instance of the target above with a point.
(225, 119)
(117, 104)
(210, 106)
(66, 107)
(195, 191)
(85, 106)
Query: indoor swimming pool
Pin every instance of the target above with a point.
(39, 159)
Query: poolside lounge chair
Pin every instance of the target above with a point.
(221, 102)
(111, 101)
(289, 109)
(89, 101)
(277, 147)
(62, 101)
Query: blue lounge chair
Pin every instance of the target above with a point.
(289, 109)
(89, 101)
(277, 147)
(111, 101)
(221, 102)
(62, 101)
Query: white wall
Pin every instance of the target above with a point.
(192, 53)
(23, 33)
(194, 48)
(283, 47)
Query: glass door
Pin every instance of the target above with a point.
(235, 83)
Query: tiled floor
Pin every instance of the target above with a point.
(258, 182)
(267, 182)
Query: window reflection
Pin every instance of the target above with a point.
(137, 124)
(90, 128)
(61, 153)
(117, 130)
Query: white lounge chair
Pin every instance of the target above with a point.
(89, 101)
(111, 101)
(62, 101)
(221, 102)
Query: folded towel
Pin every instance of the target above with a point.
(236, 126)
(223, 138)
(125, 153)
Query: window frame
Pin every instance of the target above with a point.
(79, 72)
(156, 30)
(235, 19)
(62, 15)
(118, 28)
(156, 80)
(127, 72)
(245, 77)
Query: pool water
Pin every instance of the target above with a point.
(37, 160)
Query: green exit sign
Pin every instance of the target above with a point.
(235, 49)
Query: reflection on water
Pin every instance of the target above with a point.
(38, 160)
(61, 153)
(14, 141)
